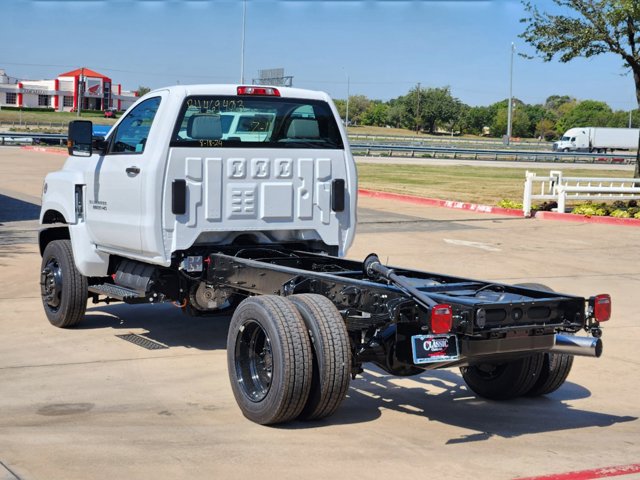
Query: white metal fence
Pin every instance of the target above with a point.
(556, 187)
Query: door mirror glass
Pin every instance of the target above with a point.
(80, 138)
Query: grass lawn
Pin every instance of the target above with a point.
(482, 185)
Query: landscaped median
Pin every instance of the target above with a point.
(474, 207)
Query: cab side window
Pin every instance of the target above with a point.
(131, 135)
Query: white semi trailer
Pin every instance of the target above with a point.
(597, 139)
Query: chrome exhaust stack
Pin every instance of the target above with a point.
(582, 346)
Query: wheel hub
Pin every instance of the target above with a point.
(254, 361)
(51, 284)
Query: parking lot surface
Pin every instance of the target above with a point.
(85, 403)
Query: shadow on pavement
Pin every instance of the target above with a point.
(436, 396)
(14, 210)
(454, 404)
(164, 323)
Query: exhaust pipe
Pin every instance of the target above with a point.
(573, 345)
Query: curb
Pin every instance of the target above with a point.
(435, 202)
(473, 207)
(572, 217)
(57, 151)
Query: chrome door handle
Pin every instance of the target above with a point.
(133, 171)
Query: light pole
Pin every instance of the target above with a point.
(346, 119)
(244, 21)
(508, 139)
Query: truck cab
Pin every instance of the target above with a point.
(574, 140)
(208, 165)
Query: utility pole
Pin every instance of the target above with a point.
(244, 22)
(508, 139)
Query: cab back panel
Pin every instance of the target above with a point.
(285, 193)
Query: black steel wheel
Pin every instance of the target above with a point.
(331, 355)
(269, 359)
(63, 288)
(503, 381)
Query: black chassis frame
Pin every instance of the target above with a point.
(493, 322)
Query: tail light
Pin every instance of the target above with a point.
(441, 319)
(601, 307)
(264, 91)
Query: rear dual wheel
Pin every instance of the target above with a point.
(536, 375)
(288, 358)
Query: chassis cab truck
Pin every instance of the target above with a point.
(176, 205)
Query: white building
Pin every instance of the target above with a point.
(91, 89)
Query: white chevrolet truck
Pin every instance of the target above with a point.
(242, 199)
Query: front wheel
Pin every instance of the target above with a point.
(269, 359)
(503, 381)
(63, 288)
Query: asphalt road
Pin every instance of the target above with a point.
(86, 403)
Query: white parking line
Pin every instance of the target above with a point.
(482, 246)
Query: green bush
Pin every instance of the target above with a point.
(619, 213)
(505, 203)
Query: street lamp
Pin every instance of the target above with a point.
(244, 21)
(508, 139)
(346, 120)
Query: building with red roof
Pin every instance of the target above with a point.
(82, 87)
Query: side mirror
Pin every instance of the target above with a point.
(80, 138)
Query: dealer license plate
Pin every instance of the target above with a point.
(434, 348)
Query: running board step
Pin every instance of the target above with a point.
(117, 292)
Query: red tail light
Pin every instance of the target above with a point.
(601, 307)
(267, 91)
(441, 319)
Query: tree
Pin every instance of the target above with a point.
(588, 28)
(375, 114)
(588, 113)
(142, 91)
(358, 104)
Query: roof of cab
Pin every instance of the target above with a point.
(232, 89)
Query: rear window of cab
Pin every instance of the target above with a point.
(259, 122)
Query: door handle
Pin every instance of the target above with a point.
(133, 171)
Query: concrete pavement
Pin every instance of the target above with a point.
(86, 404)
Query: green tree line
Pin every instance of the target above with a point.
(436, 110)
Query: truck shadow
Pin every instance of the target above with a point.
(164, 323)
(433, 396)
(14, 210)
(442, 396)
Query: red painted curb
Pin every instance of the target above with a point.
(435, 202)
(572, 217)
(57, 151)
(591, 474)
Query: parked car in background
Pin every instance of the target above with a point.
(110, 113)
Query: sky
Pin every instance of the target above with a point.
(380, 49)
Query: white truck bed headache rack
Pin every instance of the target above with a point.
(556, 187)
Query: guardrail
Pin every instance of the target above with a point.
(404, 150)
(559, 188)
(32, 137)
(482, 154)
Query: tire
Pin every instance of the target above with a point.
(503, 381)
(555, 370)
(331, 355)
(565, 150)
(64, 290)
(269, 359)
(555, 366)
